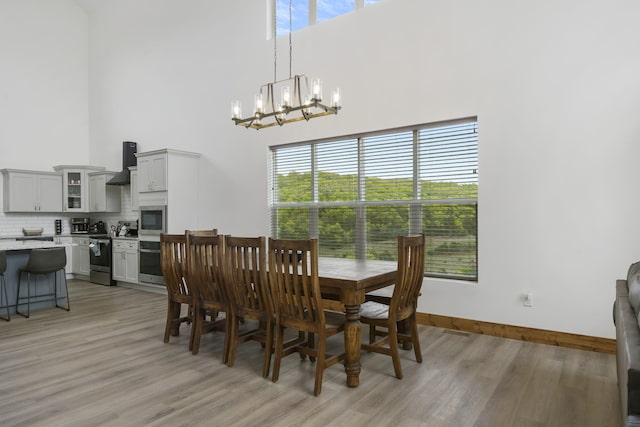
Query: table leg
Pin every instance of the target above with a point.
(402, 328)
(352, 345)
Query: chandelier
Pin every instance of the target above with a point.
(304, 102)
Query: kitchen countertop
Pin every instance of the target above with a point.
(18, 245)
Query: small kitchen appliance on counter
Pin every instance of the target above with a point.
(98, 229)
(127, 229)
(80, 225)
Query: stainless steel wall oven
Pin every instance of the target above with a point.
(150, 269)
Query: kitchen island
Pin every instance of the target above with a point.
(17, 257)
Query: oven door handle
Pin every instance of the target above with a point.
(150, 251)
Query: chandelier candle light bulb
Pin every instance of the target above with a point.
(316, 89)
(236, 110)
(285, 96)
(259, 105)
(336, 99)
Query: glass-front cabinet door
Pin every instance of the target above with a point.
(75, 187)
(73, 191)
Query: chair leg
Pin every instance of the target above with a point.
(6, 298)
(28, 294)
(66, 291)
(196, 330)
(268, 348)
(322, 343)
(415, 338)
(278, 353)
(169, 328)
(231, 332)
(311, 344)
(227, 337)
(395, 352)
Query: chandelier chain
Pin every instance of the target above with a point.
(290, 44)
(275, 45)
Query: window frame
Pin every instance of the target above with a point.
(415, 205)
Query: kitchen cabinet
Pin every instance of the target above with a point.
(125, 260)
(32, 191)
(152, 171)
(67, 241)
(170, 178)
(75, 187)
(80, 255)
(135, 204)
(103, 197)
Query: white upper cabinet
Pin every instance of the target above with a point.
(75, 187)
(103, 197)
(32, 191)
(152, 171)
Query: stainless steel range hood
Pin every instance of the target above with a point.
(129, 150)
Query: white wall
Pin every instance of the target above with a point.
(44, 94)
(43, 84)
(554, 86)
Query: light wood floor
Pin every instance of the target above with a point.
(104, 363)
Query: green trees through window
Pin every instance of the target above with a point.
(357, 196)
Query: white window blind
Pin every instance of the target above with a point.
(357, 195)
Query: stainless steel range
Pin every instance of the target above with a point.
(100, 255)
(100, 260)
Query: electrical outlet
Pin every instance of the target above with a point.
(527, 299)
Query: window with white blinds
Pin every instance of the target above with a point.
(357, 194)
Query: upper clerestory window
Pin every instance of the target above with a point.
(309, 12)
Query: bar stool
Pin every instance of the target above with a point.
(4, 300)
(43, 261)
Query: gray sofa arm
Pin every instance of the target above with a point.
(628, 356)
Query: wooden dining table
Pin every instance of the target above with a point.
(347, 280)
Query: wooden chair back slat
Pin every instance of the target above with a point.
(245, 266)
(410, 276)
(205, 264)
(294, 283)
(173, 262)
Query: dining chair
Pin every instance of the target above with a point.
(401, 307)
(245, 277)
(205, 276)
(173, 262)
(294, 287)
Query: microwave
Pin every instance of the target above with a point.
(152, 220)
